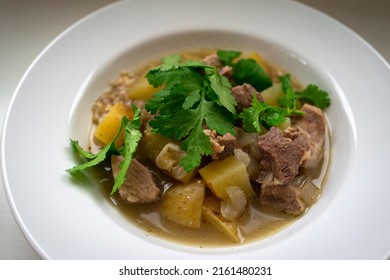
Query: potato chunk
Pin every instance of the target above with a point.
(108, 128)
(211, 212)
(142, 89)
(218, 175)
(151, 144)
(182, 203)
(272, 94)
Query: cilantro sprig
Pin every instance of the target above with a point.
(260, 114)
(312, 94)
(194, 94)
(132, 135)
(245, 70)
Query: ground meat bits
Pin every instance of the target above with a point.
(118, 92)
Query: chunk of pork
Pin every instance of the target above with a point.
(244, 95)
(282, 155)
(223, 146)
(313, 122)
(139, 186)
(284, 198)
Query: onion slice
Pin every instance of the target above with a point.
(235, 205)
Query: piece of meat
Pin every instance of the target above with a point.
(280, 155)
(244, 95)
(223, 146)
(313, 122)
(284, 198)
(226, 71)
(212, 60)
(139, 186)
(300, 138)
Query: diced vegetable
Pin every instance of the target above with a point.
(228, 172)
(151, 144)
(235, 205)
(211, 212)
(272, 94)
(310, 193)
(242, 156)
(169, 160)
(182, 203)
(142, 89)
(108, 128)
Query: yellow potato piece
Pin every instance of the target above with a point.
(218, 175)
(142, 89)
(151, 144)
(182, 203)
(211, 212)
(111, 123)
(272, 94)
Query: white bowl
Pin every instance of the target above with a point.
(63, 220)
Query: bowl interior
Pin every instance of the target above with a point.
(340, 118)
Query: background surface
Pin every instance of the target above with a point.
(27, 26)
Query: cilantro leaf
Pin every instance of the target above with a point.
(289, 99)
(249, 71)
(222, 88)
(172, 59)
(175, 126)
(94, 159)
(132, 135)
(227, 56)
(311, 94)
(165, 73)
(261, 114)
(315, 96)
(194, 94)
(196, 145)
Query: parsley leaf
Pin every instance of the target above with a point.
(289, 99)
(227, 56)
(315, 96)
(94, 159)
(261, 114)
(311, 94)
(194, 94)
(249, 71)
(222, 88)
(172, 59)
(132, 135)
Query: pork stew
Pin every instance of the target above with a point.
(209, 147)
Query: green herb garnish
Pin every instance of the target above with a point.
(249, 71)
(261, 114)
(227, 56)
(315, 96)
(194, 94)
(311, 94)
(132, 135)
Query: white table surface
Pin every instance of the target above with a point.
(27, 26)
